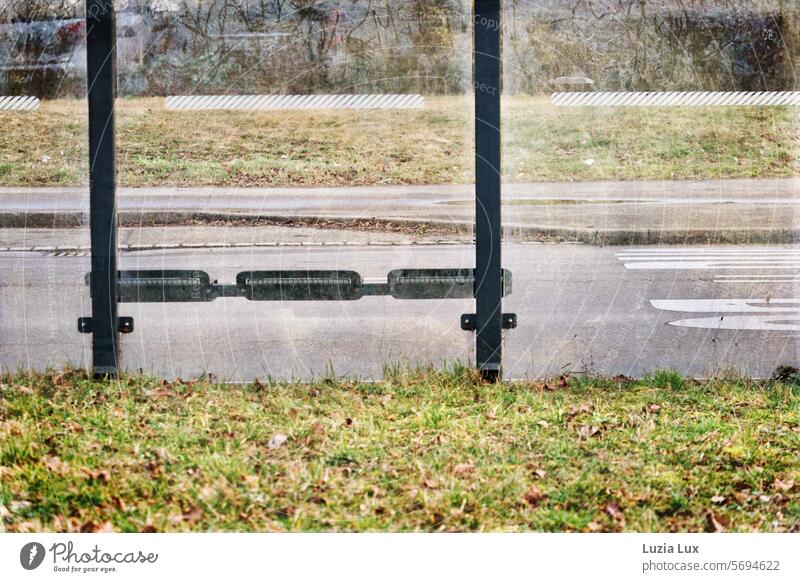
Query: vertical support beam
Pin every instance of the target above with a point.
(488, 275)
(101, 81)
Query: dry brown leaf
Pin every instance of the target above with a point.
(784, 486)
(101, 476)
(533, 496)
(277, 441)
(194, 515)
(715, 523)
(250, 480)
(615, 512)
(574, 411)
(92, 527)
(585, 431)
(717, 499)
(593, 526)
(464, 469)
(56, 465)
(17, 506)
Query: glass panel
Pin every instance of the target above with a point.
(675, 213)
(259, 136)
(43, 185)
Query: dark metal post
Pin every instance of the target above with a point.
(101, 80)
(488, 273)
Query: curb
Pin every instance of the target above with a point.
(590, 236)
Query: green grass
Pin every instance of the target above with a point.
(418, 451)
(433, 145)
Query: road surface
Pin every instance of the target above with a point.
(611, 310)
(668, 212)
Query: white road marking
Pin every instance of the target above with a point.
(712, 259)
(742, 322)
(687, 265)
(764, 266)
(703, 251)
(728, 305)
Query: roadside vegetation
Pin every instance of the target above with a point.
(426, 450)
(433, 145)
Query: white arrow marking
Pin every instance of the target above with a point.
(728, 305)
(742, 322)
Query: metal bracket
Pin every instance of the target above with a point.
(469, 323)
(124, 324)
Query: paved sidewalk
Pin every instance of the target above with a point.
(723, 211)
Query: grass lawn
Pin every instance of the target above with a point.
(418, 451)
(426, 146)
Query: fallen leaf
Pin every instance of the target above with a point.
(585, 431)
(56, 465)
(614, 512)
(251, 480)
(718, 499)
(207, 493)
(715, 523)
(541, 473)
(17, 506)
(464, 469)
(92, 527)
(593, 526)
(277, 441)
(764, 498)
(784, 486)
(543, 423)
(533, 496)
(102, 476)
(574, 411)
(194, 515)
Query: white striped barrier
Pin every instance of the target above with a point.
(676, 99)
(18, 103)
(286, 102)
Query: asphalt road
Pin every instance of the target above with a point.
(612, 310)
(667, 212)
